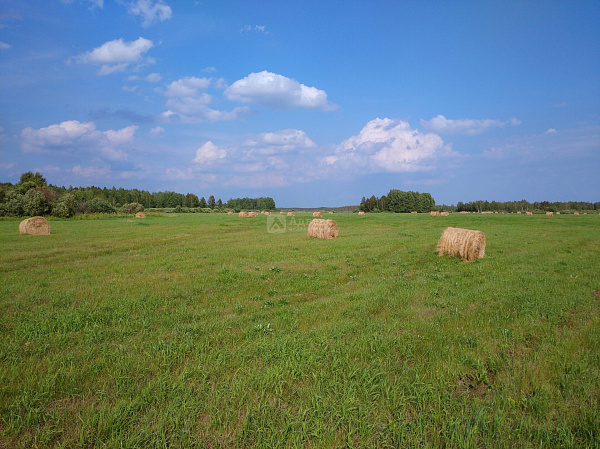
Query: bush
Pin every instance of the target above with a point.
(132, 208)
(66, 207)
(99, 205)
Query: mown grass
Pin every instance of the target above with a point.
(205, 330)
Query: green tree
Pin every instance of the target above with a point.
(211, 201)
(202, 203)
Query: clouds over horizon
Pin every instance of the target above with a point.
(441, 124)
(118, 55)
(387, 145)
(150, 12)
(71, 138)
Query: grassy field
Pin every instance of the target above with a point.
(207, 330)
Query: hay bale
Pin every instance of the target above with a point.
(330, 213)
(35, 226)
(444, 214)
(434, 213)
(518, 212)
(574, 213)
(244, 214)
(281, 213)
(529, 213)
(469, 245)
(253, 214)
(317, 215)
(323, 229)
(549, 214)
(290, 214)
(464, 212)
(140, 215)
(414, 212)
(361, 213)
(229, 213)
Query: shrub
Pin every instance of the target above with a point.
(99, 205)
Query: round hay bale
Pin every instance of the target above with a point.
(330, 213)
(469, 245)
(281, 213)
(317, 215)
(549, 214)
(230, 213)
(290, 214)
(361, 213)
(252, 214)
(434, 213)
(140, 215)
(518, 212)
(323, 229)
(444, 214)
(35, 226)
(574, 213)
(244, 214)
(529, 213)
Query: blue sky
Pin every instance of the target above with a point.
(314, 103)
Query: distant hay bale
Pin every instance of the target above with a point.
(558, 213)
(317, 214)
(290, 214)
(330, 212)
(253, 214)
(267, 213)
(549, 214)
(323, 229)
(434, 213)
(529, 213)
(518, 212)
(35, 226)
(469, 245)
(361, 213)
(464, 212)
(140, 215)
(575, 213)
(444, 214)
(414, 212)
(244, 214)
(230, 213)
(281, 213)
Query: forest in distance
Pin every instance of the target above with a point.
(32, 195)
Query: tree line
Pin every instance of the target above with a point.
(32, 195)
(398, 201)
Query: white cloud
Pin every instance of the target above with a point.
(4, 46)
(153, 78)
(187, 87)
(261, 29)
(151, 12)
(209, 153)
(117, 55)
(71, 137)
(284, 141)
(550, 131)
(130, 88)
(277, 91)
(90, 172)
(156, 131)
(187, 104)
(471, 127)
(389, 145)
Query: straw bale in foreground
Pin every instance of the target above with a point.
(444, 214)
(229, 213)
(549, 214)
(140, 215)
(361, 213)
(469, 245)
(323, 229)
(529, 213)
(290, 214)
(243, 213)
(434, 213)
(317, 214)
(35, 226)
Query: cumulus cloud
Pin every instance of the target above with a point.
(187, 87)
(71, 137)
(261, 29)
(277, 91)
(284, 141)
(118, 55)
(389, 145)
(470, 127)
(151, 12)
(209, 153)
(156, 131)
(188, 103)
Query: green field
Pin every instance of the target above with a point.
(206, 330)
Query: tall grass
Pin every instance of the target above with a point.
(206, 330)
